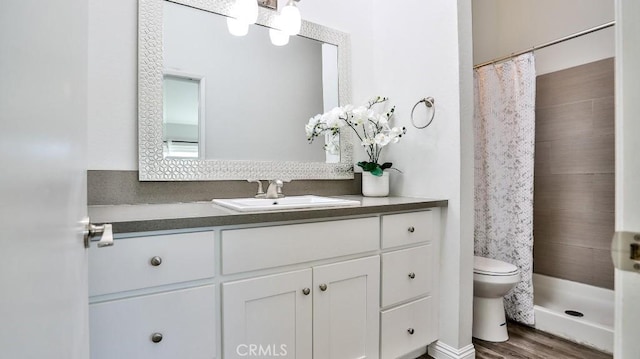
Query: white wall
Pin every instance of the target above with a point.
(501, 27)
(113, 85)
(423, 48)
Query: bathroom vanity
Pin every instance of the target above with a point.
(196, 280)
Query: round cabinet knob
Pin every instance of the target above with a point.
(412, 275)
(411, 229)
(156, 337)
(306, 291)
(156, 261)
(323, 287)
(410, 331)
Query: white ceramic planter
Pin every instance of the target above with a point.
(374, 186)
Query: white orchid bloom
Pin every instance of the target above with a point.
(314, 120)
(310, 127)
(382, 120)
(382, 140)
(373, 129)
(396, 133)
(359, 115)
(332, 118)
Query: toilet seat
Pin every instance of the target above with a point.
(493, 267)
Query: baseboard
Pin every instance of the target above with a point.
(414, 354)
(440, 350)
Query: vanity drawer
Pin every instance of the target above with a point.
(133, 263)
(407, 274)
(265, 247)
(407, 328)
(408, 228)
(185, 319)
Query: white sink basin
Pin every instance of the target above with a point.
(293, 202)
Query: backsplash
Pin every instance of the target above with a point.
(123, 187)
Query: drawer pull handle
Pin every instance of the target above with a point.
(156, 261)
(410, 331)
(412, 275)
(156, 337)
(323, 287)
(306, 291)
(411, 229)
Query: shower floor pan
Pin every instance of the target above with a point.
(553, 297)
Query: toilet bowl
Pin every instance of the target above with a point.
(492, 280)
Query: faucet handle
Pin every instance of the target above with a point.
(260, 190)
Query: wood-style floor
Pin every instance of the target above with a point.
(528, 343)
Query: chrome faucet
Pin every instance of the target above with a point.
(275, 189)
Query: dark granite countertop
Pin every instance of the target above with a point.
(158, 217)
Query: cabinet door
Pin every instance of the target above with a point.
(177, 324)
(268, 316)
(345, 310)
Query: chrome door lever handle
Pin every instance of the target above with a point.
(103, 234)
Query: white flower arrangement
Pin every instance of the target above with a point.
(373, 130)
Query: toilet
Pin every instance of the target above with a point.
(492, 280)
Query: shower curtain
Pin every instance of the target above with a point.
(504, 125)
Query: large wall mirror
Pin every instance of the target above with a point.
(213, 106)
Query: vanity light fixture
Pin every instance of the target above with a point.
(237, 27)
(277, 36)
(243, 14)
(291, 19)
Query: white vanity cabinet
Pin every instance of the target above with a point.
(408, 317)
(144, 302)
(344, 288)
(328, 311)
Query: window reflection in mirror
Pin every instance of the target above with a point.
(182, 110)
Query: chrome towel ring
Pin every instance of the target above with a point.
(430, 103)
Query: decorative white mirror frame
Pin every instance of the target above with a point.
(152, 164)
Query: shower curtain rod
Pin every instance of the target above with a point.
(538, 47)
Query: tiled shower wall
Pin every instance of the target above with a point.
(574, 174)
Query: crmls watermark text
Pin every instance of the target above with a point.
(260, 350)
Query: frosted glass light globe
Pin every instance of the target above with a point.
(291, 19)
(278, 37)
(237, 27)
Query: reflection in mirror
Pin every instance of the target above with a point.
(258, 96)
(182, 109)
